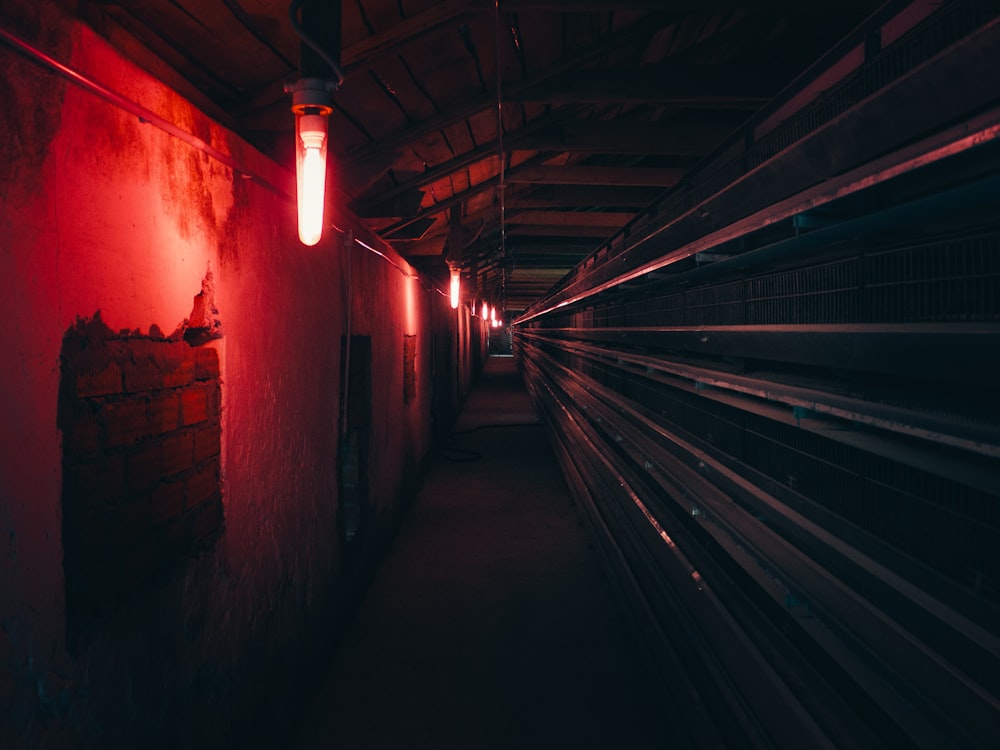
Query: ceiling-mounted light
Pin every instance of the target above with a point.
(456, 286)
(312, 106)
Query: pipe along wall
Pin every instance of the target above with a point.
(777, 397)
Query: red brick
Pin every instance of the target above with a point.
(207, 442)
(194, 406)
(144, 468)
(164, 413)
(203, 486)
(178, 454)
(100, 379)
(167, 502)
(214, 399)
(142, 375)
(93, 485)
(177, 374)
(206, 363)
(152, 365)
(125, 422)
(127, 522)
(83, 435)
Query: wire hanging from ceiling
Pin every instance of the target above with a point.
(502, 185)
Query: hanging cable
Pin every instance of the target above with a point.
(502, 186)
(293, 14)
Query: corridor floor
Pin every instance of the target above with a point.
(490, 624)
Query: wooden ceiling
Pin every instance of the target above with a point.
(603, 106)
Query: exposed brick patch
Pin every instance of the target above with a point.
(164, 413)
(203, 486)
(178, 453)
(167, 501)
(95, 485)
(141, 450)
(125, 422)
(206, 364)
(207, 441)
(194, 405)
(99, 381)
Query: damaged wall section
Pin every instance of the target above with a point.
(141, 462)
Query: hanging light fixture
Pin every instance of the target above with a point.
(486, 311)
(312, 106)
(456, 286)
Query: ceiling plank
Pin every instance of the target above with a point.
(548, 230)
(463, 110)
(553, 196)
(359, 54)
(813, 7)
(589, 175)
(551, 248)
(486, 150)
(687, 85)
(590, 219)
(452, 200)
(356, 57)
(618, 137)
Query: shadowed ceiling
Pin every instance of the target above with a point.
(603, 106)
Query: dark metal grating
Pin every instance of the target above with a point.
(946, 281)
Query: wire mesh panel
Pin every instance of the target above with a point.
(957, 280)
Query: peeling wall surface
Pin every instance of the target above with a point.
(104, 215)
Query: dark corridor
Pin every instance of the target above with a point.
(490, 624)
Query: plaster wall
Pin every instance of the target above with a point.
(102, 214)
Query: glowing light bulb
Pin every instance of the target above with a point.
(486, 310)
(310, 163)
(456, 283)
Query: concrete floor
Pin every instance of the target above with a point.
(490, 624)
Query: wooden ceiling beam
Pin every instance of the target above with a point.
(815, 7)
(587, 175)
(680, 85)
(357, 56)
(618, 137)
(441, 171)
(590, 219)
(551, 248)
(643, 28)
(554, 196)
(360, 54)
(455, 199)
(549, 230)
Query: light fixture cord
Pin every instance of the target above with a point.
(502, 187)
(293, 13)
